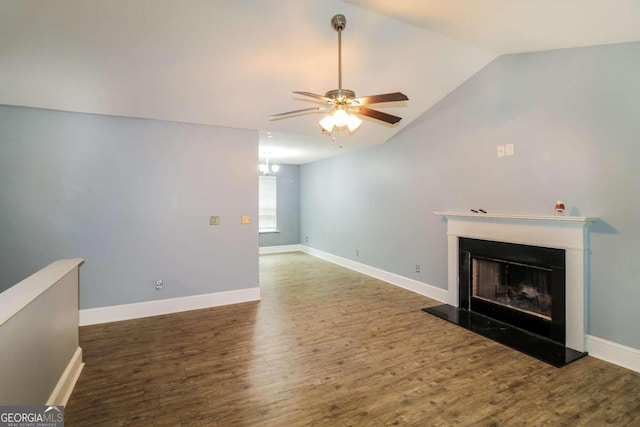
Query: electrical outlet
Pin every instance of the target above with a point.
(357, 252)
(500, 150)
(417, 268)
(159, 284)
(306, 239)
(509, 150)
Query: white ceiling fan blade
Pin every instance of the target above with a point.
(315, 95)
(294, 112)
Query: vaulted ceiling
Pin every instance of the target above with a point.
(232, 63)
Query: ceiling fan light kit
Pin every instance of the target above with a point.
(341, 104)
(340, 118)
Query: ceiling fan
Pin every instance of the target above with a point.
(342, 104)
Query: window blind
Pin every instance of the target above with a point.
(267, 204)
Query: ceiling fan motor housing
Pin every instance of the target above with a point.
(338, 22)
(340, 96)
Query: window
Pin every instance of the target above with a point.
(267, 204)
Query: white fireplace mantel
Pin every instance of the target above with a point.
(531, 217)
(562, 232)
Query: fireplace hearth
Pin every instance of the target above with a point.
(513, 294)
(534, 345)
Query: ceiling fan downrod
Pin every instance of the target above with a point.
(339, 22)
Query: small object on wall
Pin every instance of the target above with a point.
(245, 219)
(482, 211)
(473, 210)
(214, 220)
(559, 207)
(509, 150)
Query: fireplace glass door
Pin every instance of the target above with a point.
(520, 287)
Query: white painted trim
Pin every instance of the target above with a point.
(416, 286)
(23, 293)
(116, 313)
(532, 217)
(618, 354)
(62, 391)
(280, 249)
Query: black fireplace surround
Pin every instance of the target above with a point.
(513, 294)
(522, 285)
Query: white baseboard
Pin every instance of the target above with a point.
(279, 249)
(618, 354)
(116, 313)
(421, 288)
(62, 391)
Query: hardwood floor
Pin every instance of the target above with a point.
(330, 347)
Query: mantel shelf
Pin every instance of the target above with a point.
(530, 217)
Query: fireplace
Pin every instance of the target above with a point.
(521, 285)
(520, 280)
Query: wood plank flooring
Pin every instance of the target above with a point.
(330, 347)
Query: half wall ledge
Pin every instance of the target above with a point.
(39, 336)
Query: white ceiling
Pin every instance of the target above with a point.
(232, 63)
(511, 26)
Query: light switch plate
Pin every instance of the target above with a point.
(214, 220)
(245, 219)
(509, 150)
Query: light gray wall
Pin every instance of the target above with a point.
(133, 198)
(288, 193)
(574, 117)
